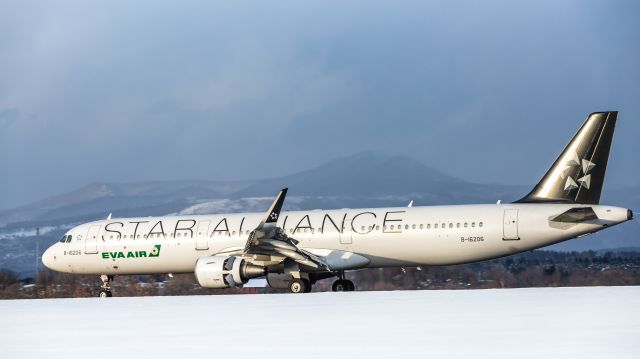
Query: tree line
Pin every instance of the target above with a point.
(538, 268)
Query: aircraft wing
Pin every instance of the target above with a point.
(270, 240)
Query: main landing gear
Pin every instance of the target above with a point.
(300, 285)
(105, 288)
(342, 284)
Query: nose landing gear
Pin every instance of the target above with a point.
(105, 288)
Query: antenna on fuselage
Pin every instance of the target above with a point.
(410, 204)
(109, 216)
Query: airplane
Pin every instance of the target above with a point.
(295, 249)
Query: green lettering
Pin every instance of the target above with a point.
(142, 253)
(130, 255)
(113, 254)
(105, 255)
(155, 252)
(120, 255)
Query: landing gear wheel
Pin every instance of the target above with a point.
(299, 286)
(350, 286)
(105, 288)
(343, 285)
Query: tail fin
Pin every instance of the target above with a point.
(577, 175)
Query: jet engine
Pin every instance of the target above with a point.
(226, 272)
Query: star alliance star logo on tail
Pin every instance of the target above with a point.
(274, 216)
(585, 180)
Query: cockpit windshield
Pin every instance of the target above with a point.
(65, 239)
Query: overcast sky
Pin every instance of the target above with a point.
(150, 90)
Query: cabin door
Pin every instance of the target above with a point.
(91, 241)
(202, 236)
(510, 224)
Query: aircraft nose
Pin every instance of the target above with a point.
(48, 258)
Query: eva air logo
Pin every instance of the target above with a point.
(154, 252)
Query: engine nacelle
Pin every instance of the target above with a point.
(226, 272)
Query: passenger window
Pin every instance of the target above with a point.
(466, 224)
(406, 226)
(377, 228)
(428, 225)
(138, 236)
(444, 225)
(458, 225)
(450, 225)
(435, 225)
(473, 224)
(421, 226)
(480, 224)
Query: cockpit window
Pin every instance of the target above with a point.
(68, 238)
(63, 239)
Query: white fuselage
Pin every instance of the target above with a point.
(380, 237)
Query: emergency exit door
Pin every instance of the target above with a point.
(510, 225)
(91, 241)
(345, 236)
(202, 236)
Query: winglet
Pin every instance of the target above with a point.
(274, 211)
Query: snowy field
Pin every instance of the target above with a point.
(600, 322)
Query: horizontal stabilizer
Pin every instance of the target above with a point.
(576, 215)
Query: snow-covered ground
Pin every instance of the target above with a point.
(600, 322)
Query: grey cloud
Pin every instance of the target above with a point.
(139, 91)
